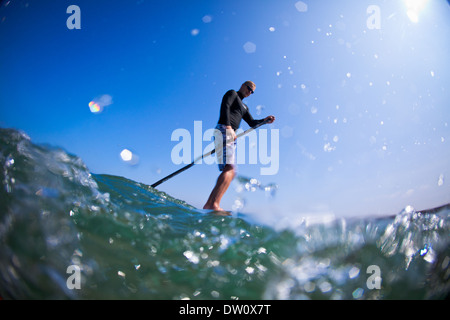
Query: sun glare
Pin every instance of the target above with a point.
(413, 8)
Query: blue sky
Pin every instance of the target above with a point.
(362, 113)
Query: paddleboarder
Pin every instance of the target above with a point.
(232, 111)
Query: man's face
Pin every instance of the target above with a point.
(248, 90)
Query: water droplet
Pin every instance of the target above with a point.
(191, 256)
(287, 131)
(95, 107)
(301, 6)
(353, 273)
(325, 287)
(129, 157)
(98, 104)
(126, 155)
(441, 180)
(358, 293)
(328, 147)
(250, 270)
(409, 209)
(207, 19)
(9, 161)
(249, 47)
(262, 250)
(259, 108)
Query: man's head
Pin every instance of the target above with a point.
(248, 88)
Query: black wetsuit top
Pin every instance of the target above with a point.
(233, 110)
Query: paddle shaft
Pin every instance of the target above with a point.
(202, 156)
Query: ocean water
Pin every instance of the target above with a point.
(66, 233)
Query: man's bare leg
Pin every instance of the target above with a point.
(222, 184)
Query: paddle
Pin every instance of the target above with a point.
(203, 156)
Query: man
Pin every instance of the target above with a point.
(232, 111)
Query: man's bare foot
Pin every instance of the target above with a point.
(212, 207)
(221, 212)
(216, 210)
